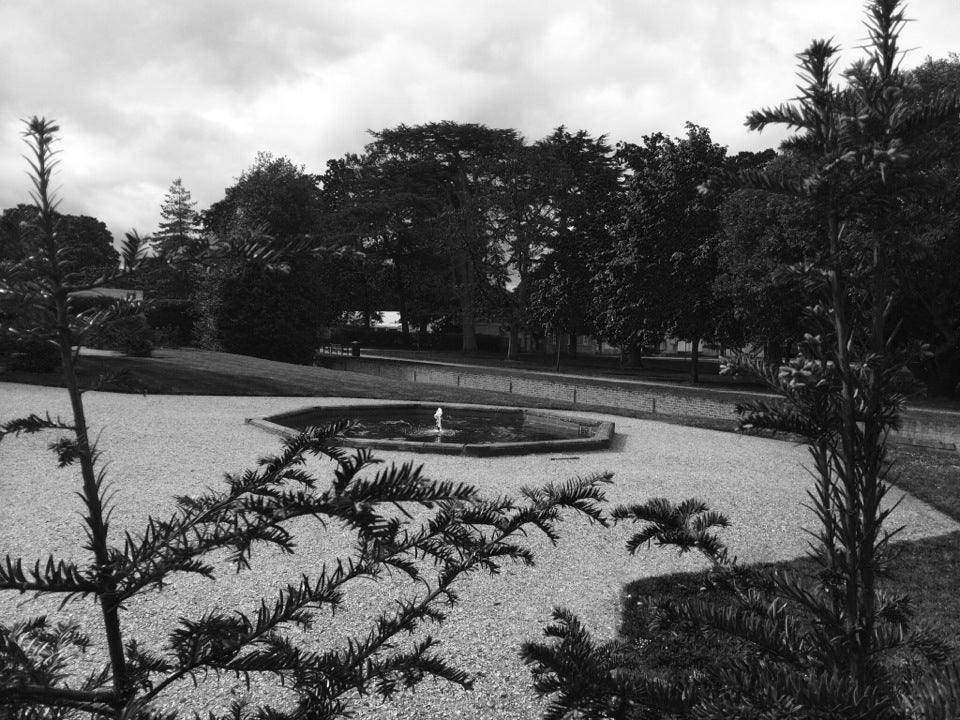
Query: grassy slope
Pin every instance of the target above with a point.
(188, 371)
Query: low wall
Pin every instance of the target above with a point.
(928, 428)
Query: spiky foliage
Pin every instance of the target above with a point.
(789, 648)
(819, 647)
(460, 534)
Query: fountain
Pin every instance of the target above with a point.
(476, 430)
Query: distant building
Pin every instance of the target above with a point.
(115, 293)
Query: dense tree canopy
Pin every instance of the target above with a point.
(466, 163)
(87, 241)
(765, 238)
(586, 206)
(659, 274)
(273, 195)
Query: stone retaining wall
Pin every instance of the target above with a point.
(923, 427)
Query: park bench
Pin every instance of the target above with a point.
(329, 348)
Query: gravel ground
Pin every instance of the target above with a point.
(159, 446)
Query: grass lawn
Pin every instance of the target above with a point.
(188, 371)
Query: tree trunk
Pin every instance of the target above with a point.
(695, 360)
(556, 366)
(513, 343)
(468, 309)
(402, 303)
(772, 354)
(468, 319)
(367, 312)
(422, 338)
(635, 354)
(572, 343)
(942, 371)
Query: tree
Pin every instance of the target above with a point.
(274, 195)
(466, 163)
(86, 239)
(268, 310)
(461, 534)
(764, 237)
(586, 207)
(820, 647)
(178, 237)
(658, 277)
(270, 220)
(87, 253)
(383, 211)
(924, 263)
(534, 178)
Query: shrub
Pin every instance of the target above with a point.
(254, 309)
(168, 337)
(173, 314)
(130, 335)
(29, 355)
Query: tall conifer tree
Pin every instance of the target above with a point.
(179, 233)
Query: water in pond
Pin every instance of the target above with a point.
(457, 428)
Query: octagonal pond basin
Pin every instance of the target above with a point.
(472, 430)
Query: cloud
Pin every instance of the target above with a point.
(146, 92)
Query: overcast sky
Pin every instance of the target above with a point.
(149, 90)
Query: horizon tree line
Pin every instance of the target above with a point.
(567, 236)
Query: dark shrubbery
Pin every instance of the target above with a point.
(28, 355)
(173, 319)
(262, 311)
(129, 334)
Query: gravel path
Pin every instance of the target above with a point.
(159, 446)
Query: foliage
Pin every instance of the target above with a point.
(132, 335)
(459, 534)
(86, 241)
(28, 354)
(533, 178)
(583, 202)
(273, 195)
(765, 236)
(925, 260)
(173, 315)
(817, 648)
(272, 311)
(462, 164)
(178, 237)
(383, 209)
(658, 276)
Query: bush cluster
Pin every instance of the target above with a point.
(255, 309)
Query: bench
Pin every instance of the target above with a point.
(335, 349)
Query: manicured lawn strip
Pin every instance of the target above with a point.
(931, 475)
